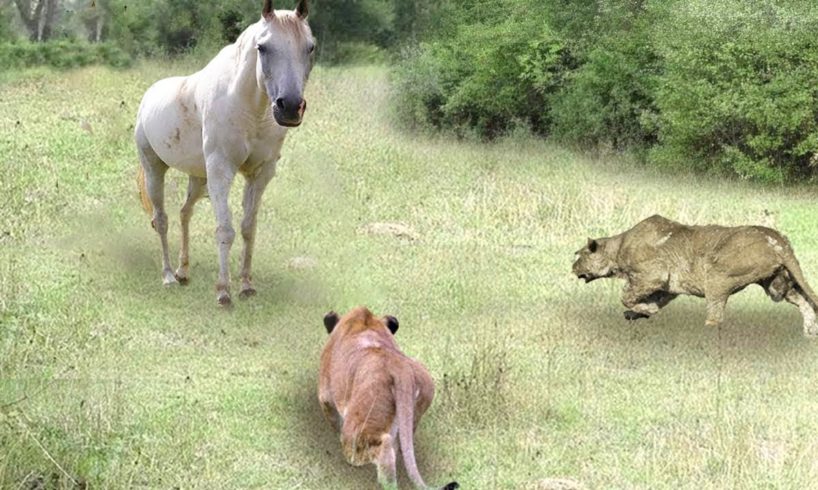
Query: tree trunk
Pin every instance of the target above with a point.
(49, 19)
(31, 16)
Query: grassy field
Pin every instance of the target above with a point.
(107, 378)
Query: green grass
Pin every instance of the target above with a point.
(121, 383)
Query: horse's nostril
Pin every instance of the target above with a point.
(280, 103)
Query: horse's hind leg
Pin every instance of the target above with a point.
(155, 170)
(195, 190)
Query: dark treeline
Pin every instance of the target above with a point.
(169, 27)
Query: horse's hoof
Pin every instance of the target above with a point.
(170, 282)
(632, 316)
(247, 293)
(183, 280)
(225, 301)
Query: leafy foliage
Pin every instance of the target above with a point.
(61, 54)
(737, 92)
(724, 86)
(488, 76)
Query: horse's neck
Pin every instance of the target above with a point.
(244, 81)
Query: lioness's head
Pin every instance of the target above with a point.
(593, 262)
(360, 319)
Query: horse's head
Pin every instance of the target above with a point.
(285, 54)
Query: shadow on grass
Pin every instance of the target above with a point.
(757, 329)
(320, 446)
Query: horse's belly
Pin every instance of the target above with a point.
(187, 158)
(172, 124)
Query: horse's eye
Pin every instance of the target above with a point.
(261, 48)
(312, 48)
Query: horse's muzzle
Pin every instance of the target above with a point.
(289, 114)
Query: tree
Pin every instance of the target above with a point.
(39, 17)
(94, 17)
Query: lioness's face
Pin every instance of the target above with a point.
(592, 263)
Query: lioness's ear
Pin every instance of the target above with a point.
(391, 323)
(593, 245)
(330, 320)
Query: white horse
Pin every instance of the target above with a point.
(231, 117)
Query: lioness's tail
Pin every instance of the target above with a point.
(405, 408)
(794, 268)
(143, 191)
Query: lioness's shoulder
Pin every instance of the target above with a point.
(657, 222)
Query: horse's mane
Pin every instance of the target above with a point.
(245, 37)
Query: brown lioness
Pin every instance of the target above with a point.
(373, 393)
(661, 259)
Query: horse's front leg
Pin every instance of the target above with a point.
(220, 174)
(253, 191)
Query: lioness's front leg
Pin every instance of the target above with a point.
(641, 286)
(649, 306)
(332, 415)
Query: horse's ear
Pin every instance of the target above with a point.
(267, 9)
(303, 9)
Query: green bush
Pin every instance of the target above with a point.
(353, 53)
(738, 89)
(724, 86)
(418, 88)
(610, 99)
(61, 54)
(488, 77)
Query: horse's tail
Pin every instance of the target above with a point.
(143, 191)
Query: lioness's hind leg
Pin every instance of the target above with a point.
(385, 461)
(715, 310)
(794, 297)
(777, 286)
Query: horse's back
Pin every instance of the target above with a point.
(170, 120)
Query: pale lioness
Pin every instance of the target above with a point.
(661, 259)
(373, 393)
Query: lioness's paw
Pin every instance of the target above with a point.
(632, 315)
